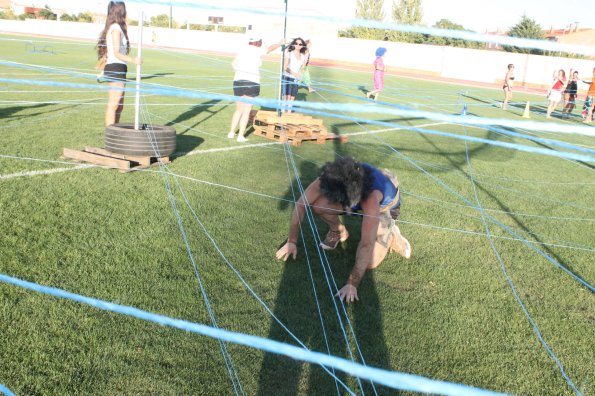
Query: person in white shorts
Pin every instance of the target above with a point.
(246, 82)
(555, 93)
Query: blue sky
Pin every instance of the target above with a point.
(478, 15)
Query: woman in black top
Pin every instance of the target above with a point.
(570, 95)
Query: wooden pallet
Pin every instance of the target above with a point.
(107, 159)
(296, 140)
(293, 127)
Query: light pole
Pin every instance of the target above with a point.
(279, 110)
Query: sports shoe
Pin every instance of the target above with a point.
(333, 238)
(242, 139)
(231, 135)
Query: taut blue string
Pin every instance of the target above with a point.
(509, 280)
(391, 379)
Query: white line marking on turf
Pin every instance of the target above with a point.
(391, 129)
(44, 172)
(195, 152)
(215, 150)
(220, 149)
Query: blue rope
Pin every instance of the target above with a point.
(6, 391)
(328, 274)
(518, 238)
(287, 150)
(165, 170)
(353, 108)
(460, 34)
(391, 379)
(226, 357)
(201, 224)
(225, 353)
(483, 216)
(509, 230)
(509, 280)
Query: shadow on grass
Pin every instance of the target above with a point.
(187, 143)
(488, 152)
(588, 165)
(155, 75)
(481, 100)
(195, 111)
(337, 127)
(297, 305)
(10, 112)
(460, 165)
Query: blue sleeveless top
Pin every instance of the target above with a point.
(382, 183)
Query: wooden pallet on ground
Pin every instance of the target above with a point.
(296, 139)
(107, 159)
(292, 127)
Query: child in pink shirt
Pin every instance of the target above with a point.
(379, 70)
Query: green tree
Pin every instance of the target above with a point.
(526, 28)
(451, 42)
(208, 28)
(371, 10)
(8, 14)
(27, 15)
(232, 29)
(162, 20)
(47, 13)
(68, 18)
(407, 12)
(84, 17)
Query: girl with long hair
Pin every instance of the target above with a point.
(113, 48)
(570, 95)
(292, 70)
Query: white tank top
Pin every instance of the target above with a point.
(111, 57)
(294, 64)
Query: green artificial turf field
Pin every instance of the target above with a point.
(448, 313)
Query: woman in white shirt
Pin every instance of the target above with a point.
(113, 47)
(292, 71)
(246, 82)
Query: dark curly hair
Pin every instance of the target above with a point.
(345, 181)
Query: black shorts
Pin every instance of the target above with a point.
(115, 72)
(290, 86)
(246, 88)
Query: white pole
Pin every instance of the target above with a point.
(138, 75)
